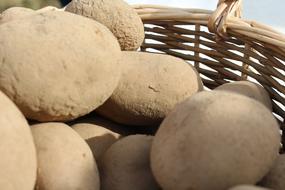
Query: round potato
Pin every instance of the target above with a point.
(275, 179)
(248, 89)
(205, 140)
(18, 155)
(126, 165)
(55, 66)
(117, 15)
(247, 187)
(97, 137)
(150, 86)
(15, 13)
(64, 159)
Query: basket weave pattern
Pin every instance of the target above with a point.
(222, 46)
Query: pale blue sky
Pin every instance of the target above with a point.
(271, 12)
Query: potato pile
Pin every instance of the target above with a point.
(82, 109)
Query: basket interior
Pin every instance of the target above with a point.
(221, 61)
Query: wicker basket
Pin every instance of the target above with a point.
(222, 46)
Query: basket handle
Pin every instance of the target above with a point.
(225, 10)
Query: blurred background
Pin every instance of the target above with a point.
(265, 11)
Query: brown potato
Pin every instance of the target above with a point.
(275, 179)
(64, 159)
(248, 89)
(126, 165)
(117, 15)
(55, 66)
(215, 140)
(150, 87)
(18, 155)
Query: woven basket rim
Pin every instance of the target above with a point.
(234, 25)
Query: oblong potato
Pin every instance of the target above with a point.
(64, 159)
(55, 67)
(215, 140)
(150, 86)
(18, 161)
(117, 15)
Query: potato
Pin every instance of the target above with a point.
(206, 144)
(248, 89)
(18, 155)
(117, 15)
(126, 165)
(55, 66)
(97, 137)
(15, 13)
(275, 179)
(64, 159)
(247, 187)
(148, 89)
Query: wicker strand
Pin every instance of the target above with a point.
(254, 30)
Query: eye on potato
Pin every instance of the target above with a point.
(150, 86)
(18, 155)
(64, 159)
(215, 140)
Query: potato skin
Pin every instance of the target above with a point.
(126, 165)
(18, 161)
(117, 15)
(55, 76)
(250, 90)
(150, 86)
(248, 187)
(15, 13)
(275, 179)
(97, 137)
(213, 141)
(64, 159)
